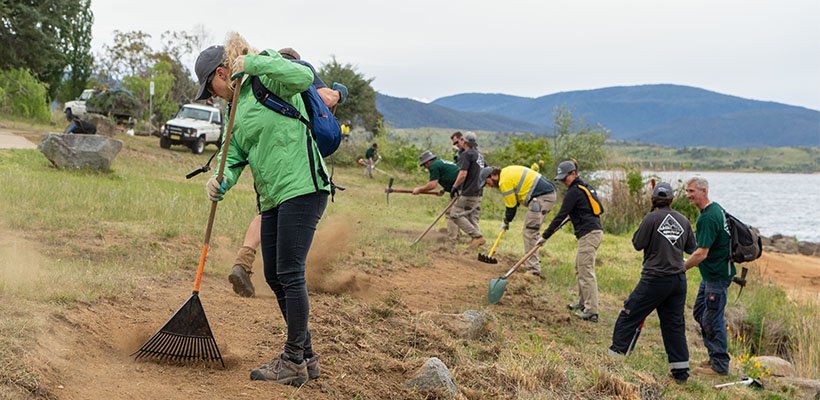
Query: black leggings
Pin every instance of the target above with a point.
(287, 233)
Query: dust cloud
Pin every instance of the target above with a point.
(20, 266)
(330, 242)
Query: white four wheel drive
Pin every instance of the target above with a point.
(77, 106)
(194, 126)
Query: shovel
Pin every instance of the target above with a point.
(489, 257)
(187, 335)
(499, 285)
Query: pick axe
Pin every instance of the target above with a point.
(741, 282)
(390, 189)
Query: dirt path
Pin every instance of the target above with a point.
(798, 274)
(8, 140)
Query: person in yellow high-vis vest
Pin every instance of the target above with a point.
(521, 186)
(583, 208)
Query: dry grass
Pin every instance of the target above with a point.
(805, 345)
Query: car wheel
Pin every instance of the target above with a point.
(199, 146)
(164, 142)
(68, 113)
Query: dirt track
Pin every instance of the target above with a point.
(364, 329)
(9, 140)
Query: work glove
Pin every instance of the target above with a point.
(342, 89)
(505, 225)
(238, 67)
(454, 192)
(215, 190)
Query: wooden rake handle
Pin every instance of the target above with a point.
(237, 83)
(449, 206)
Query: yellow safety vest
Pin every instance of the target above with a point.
(516, 184)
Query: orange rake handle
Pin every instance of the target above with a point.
(237, 83)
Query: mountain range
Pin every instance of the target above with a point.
(672, 115)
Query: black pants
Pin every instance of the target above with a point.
(287, 233)
(668, 295)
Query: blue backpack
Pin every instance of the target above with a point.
(325, 129)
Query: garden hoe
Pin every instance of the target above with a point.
(390, 189)
(449, 206)
(489, 257)
(187, 335)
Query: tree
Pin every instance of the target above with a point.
(77, 50)
(574, 139)
(523, 151)
(361, 102)
(129, 55)
(44, 37)
(164, 105)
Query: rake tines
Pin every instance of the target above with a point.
(487, 259)
(185, 337)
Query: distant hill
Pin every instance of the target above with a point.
(406, 113)
(673, 115)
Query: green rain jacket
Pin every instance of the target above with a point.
(276, 147)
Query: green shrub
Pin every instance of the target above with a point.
(22, 95)
(522, 151)
(628, 201)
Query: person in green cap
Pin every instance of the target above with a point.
(442, 173)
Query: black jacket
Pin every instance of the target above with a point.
(664, 234)
(575, 205)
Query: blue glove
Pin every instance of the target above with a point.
(215, 190)
(342, 89)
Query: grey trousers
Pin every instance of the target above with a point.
(537, 210)
(465, 213)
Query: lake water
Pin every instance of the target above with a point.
(788, 204)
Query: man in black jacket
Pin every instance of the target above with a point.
(664, 234)
(582, 207)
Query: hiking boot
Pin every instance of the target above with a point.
(587, 316)
(241, 281)
(478, 241)
(313, 367)
(708, 372)
(282, 371)
(575, 306)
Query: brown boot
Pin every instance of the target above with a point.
(477, 241)
(313, 367)
(282, 371)
(241, 281)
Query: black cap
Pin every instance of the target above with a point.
(207, 62)
(663, 191)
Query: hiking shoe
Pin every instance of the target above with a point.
(575, 306)
(282, 371)
(587, 316)
(241, 281)
(708, 372)
(313, 367)
(478, 241)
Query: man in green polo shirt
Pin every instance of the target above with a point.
(442, 173)
(713, 260)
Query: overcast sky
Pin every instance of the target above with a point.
(764, 50)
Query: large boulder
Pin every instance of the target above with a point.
(105, 126)
(777, 365)
(808, 248)
(433, 379)
(80, 151)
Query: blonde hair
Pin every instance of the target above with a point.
(235, 46)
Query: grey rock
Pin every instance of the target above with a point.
(471, 324)
(80, 151)
(777, 365)
(433, 379)
(810, 386)
(104, 124)
(808, 248)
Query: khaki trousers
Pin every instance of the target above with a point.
(585, 270)
(538, 208)
(465, 214)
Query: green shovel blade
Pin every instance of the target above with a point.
(496, 290)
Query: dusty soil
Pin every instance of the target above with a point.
(365, 327)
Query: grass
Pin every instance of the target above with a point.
(87, 236)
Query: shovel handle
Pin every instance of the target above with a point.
(497, 240)
(521, 261)
(237, 83)
(449, 206)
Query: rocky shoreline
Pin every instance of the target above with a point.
(778, 243)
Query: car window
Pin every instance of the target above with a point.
(194, 113)
(217, 119)
(86, 94)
